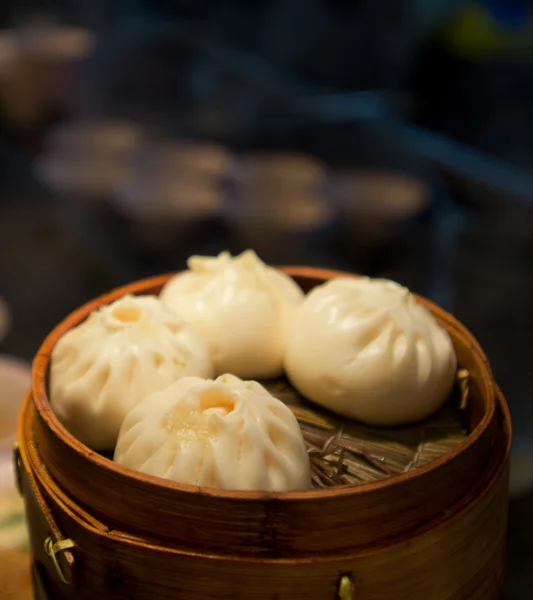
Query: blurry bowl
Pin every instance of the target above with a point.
(44, 71)
(174, 199)
(83, 178)
(55, 41)
(5, 319)
(374, 205)
(94, 138)
(161, 213)
(288, 228)
(287, 170)
(8, 52)
(200, 159)
(15, 380)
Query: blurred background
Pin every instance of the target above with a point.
(391, 138)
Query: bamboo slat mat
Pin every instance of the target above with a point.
(343, 452)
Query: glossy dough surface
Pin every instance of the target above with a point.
(227, 434)
(368, 350)
(110, 362)
(242, 309)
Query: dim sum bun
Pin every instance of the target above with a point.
(366, 349)
(110, 362)
(227, 434)
(240, 307)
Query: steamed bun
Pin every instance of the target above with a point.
(110, 362)
(227, 433)
(366, 349)
(242, 309)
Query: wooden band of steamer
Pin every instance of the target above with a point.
(101, 557)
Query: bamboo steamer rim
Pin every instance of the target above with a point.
(480, 489)
(42, 404)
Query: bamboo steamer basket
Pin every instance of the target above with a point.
(99, 530)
